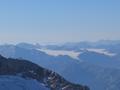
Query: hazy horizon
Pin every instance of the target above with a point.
(59, 43)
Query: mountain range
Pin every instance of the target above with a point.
(97, 64)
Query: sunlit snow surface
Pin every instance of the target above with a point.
(72, 54)
(101, 51)
(17, 83)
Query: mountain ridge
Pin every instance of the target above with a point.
(28, 70)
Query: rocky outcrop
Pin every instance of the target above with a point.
(29, 70)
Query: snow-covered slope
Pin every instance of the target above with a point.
(101, 51)
(71, 54)
(75, 54)
(18, 83)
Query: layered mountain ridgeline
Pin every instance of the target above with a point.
(100, 70)
(28, 70)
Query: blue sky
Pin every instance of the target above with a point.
(59, 20)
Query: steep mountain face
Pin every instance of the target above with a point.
(28, 70)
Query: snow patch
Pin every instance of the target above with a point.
(18, 83)
(101, 51)
(72, 54)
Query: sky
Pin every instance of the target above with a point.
(44, 21)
